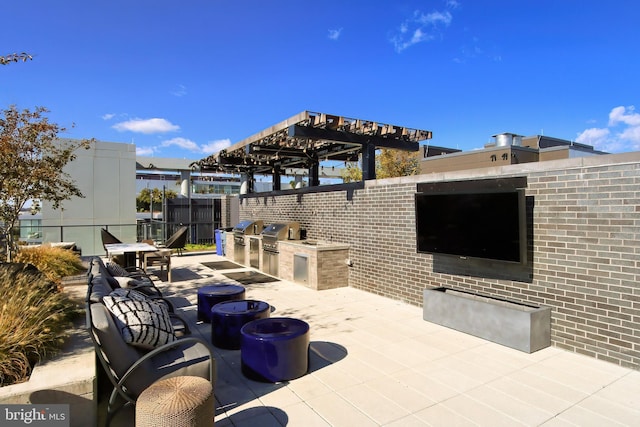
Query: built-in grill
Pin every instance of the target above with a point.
(271, 235)
(276, 232)
(244, 228)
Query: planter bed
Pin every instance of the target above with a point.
(68, 377)
(521, 326)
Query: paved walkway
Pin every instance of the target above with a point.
(375, 362)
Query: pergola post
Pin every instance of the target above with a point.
(276, 178)
(314, 174)
(368, 161)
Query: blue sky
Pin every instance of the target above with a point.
(187, 78)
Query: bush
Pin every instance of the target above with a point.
(34, 317)
(55, 263)
(192, 247)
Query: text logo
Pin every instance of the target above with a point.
(34, 415)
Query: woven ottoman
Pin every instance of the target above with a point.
(228, 318)
(274, 349)
(210, 295)
(176, 402)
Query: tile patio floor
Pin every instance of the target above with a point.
(375, 362)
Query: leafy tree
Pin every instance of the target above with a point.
(395, 163)
(389, 164)
(32, 159)
(143, 200)
(15, 57)
(351, 173)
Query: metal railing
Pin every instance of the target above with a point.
(88, 239)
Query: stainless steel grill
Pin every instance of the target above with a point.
(271, 235)
(244, 228)
(248, 227)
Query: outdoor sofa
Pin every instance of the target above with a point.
(132, 367)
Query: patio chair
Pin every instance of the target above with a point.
(108, 238)
(161, 258)
(176, 241)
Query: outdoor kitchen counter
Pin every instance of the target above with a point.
(315, 245)
(318, 265)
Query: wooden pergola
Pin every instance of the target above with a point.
(308, 138)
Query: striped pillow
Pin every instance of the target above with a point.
(142, 323)
(116, 270)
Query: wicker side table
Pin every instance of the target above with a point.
(176, 402)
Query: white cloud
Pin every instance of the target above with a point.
(144, 151)
(146, 126)
(334, 34)
(421, 27)
(620, 115)
(631, 134)
(215, 146)
(108, 116)
(183, 143)
(180, 91)
(433, 18)
(593, 136)
(621, 135)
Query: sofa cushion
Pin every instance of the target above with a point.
(124, 294)
(99, 290)
(111, 342)
(142, 322)
(116, 270)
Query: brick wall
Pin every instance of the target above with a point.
(584, 242)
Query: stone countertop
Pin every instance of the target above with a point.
(318, 245)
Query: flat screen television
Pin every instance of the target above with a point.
(479, 224)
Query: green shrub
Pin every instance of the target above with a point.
(192, 247)
(34, 318)
(55, 263)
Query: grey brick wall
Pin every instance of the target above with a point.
(584, 242)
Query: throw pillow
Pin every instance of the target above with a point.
(116, 270)
(123, 282)
(142, 281)
(129, 283)
(142, 322)
(131, 294)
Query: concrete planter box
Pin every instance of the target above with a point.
(523, 327)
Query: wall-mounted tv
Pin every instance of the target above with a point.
(479, 219)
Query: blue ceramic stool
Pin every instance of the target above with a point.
(208, 296)
(227, 318)
(274, 349)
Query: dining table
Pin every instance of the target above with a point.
(130, 251)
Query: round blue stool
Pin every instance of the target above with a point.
(274, 349)
(208, 296)
(227, 318)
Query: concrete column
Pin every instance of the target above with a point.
(185, 183)
(246, 183)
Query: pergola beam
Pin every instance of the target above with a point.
(297, 131)
(308, 138)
